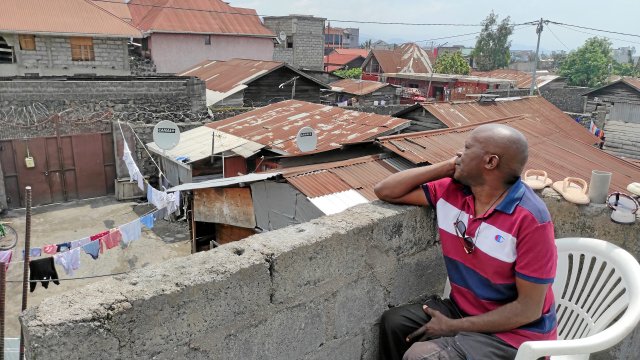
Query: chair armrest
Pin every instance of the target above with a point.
(532, 350)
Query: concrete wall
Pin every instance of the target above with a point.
(308, 40)
(173, 53)
(52, 56)
(310, 291)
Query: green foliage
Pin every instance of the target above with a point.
(492, 45)
(626, 69)
(452, 63)
(589, 64)
(354, 73)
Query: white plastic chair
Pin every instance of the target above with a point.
(596, 282)
(597, 295)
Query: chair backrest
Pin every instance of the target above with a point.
(595, 281)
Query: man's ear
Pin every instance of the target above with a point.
(491, 162)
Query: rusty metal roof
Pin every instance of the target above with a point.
(522, 79)
(406, 58)
(631, 81)
(357, 86)
(119, 9)
(277, 125)
(334, 59)
(359, 174)
(225, 78)
(196, 17)
(549, 149)
(62, 17)
(454, 114)
(361, 52)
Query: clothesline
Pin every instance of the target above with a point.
(70, 279)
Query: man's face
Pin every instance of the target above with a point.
(469, 163)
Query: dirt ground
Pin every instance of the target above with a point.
(66, 222)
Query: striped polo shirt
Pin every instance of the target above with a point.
(515, 239)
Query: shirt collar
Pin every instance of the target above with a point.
(513, 198)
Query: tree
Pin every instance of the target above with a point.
(492, 45)
(452, 63)
(353, 73)
(589, 64)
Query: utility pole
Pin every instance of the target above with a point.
(535, 66)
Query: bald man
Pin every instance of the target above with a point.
(499, 250)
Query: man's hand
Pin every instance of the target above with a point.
(439, 325)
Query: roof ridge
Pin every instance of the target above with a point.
(112, 14)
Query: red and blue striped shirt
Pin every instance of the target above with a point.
(515, 239)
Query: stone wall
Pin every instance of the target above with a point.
(567, 99)
(309, 291)
(92, 104)
(52, 56)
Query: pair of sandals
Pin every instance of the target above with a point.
(572, 189)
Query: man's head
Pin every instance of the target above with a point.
(493, 153)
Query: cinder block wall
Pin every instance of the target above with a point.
(310, 291)
(52, 56)
(307, 33)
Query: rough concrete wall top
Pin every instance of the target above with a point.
(284, 294)
(309, 291)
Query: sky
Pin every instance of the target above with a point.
(613, 15)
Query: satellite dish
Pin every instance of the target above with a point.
(166, 135)
(307, 139)
(282, 35)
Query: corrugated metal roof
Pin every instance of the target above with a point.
(68, 17)
(195, 144)
(454, 114)
(406, 58)
(245, 179)
(196, 16)
(277, 125)
(549, 150)
(447, 78)
(338, 202)
(633, 82)
(340, 59)
(522, 79)
(357, 86)
(360, 174)
(361, 52)
(119, 9)
(225, 78)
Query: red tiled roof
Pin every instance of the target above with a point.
(361, 52)
(462, 113)
(66, 17)
(550, 150)
(196, 16)
(277, 125)
(360, 174)
(357, 86)
(406, 58)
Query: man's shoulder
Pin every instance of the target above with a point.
(531, 203)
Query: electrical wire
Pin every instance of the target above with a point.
(592, 34)
(594, 29)
(263, 15)
(557, 38)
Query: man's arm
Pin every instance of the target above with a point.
(525, 309)
(404, 187)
